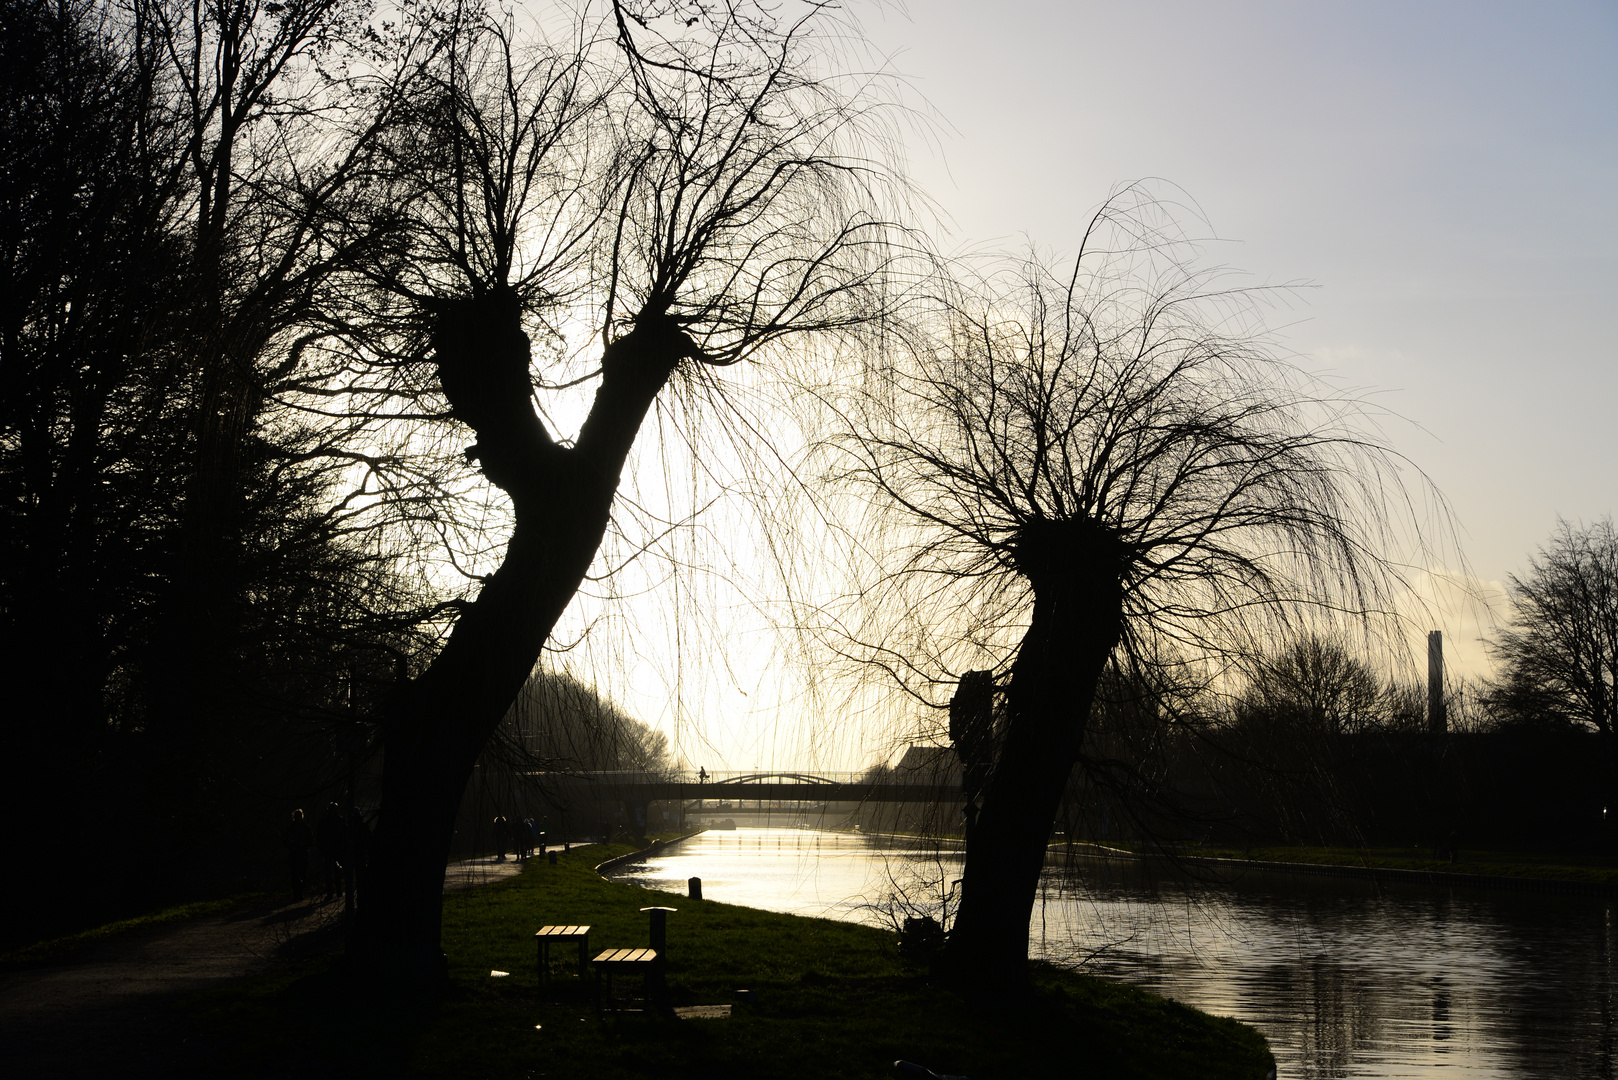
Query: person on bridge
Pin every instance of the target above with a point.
(702, 775)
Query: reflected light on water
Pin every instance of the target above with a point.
(1345, 978)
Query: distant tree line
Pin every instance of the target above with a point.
(1315, 748)
(560, 725)
(1312, 748)
(1337, 759)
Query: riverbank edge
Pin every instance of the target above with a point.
(1381, 874)
(823, 998)
(649, 850)
(610, 865)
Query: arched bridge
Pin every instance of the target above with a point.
(688, 786)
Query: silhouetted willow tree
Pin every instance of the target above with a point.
(1099, 467)
(682, 184)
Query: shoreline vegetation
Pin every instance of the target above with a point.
(1596, 874)
(827, 999)
(1484, 869)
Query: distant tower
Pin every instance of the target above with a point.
(1437, 721)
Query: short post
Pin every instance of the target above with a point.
(693, 888)
(657, 996)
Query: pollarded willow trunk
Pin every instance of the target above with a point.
(1076, 575)
(434, 726)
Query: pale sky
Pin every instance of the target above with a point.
(1442, 174)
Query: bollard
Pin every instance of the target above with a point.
(660, 927)
(550, 857)
(657, 988)
(693, 888)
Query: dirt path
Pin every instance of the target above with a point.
(108, 1010)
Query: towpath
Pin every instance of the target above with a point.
(108, 1009)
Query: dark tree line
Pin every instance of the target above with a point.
(283, 283)
(199, 595)
(176, 567)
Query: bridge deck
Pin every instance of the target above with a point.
(687, 792)
(751, 787)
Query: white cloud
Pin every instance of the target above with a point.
(1467, 609)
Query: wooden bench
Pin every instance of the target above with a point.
(643, 962)
(546, 936)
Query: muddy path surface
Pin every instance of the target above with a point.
(109, 1010)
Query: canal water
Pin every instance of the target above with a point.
(1345, 978)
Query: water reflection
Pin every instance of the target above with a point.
(1345, 978)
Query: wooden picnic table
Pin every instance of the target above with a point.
(643, 962)
(548, 935)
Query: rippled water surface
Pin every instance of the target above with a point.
(1345, 978)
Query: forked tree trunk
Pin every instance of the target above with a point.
(434, 726)
(1075, 625)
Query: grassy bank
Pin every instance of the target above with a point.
(831, 1000)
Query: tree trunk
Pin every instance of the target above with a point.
(1075, 625)
(434, 726)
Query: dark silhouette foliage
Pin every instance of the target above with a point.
(1559, 651)
(189, 607)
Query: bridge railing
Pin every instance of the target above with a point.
(765, 776)
(740, 776)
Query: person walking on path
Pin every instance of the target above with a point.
(502, 837)
(329, 839)
(298, 840)
(356, 854)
